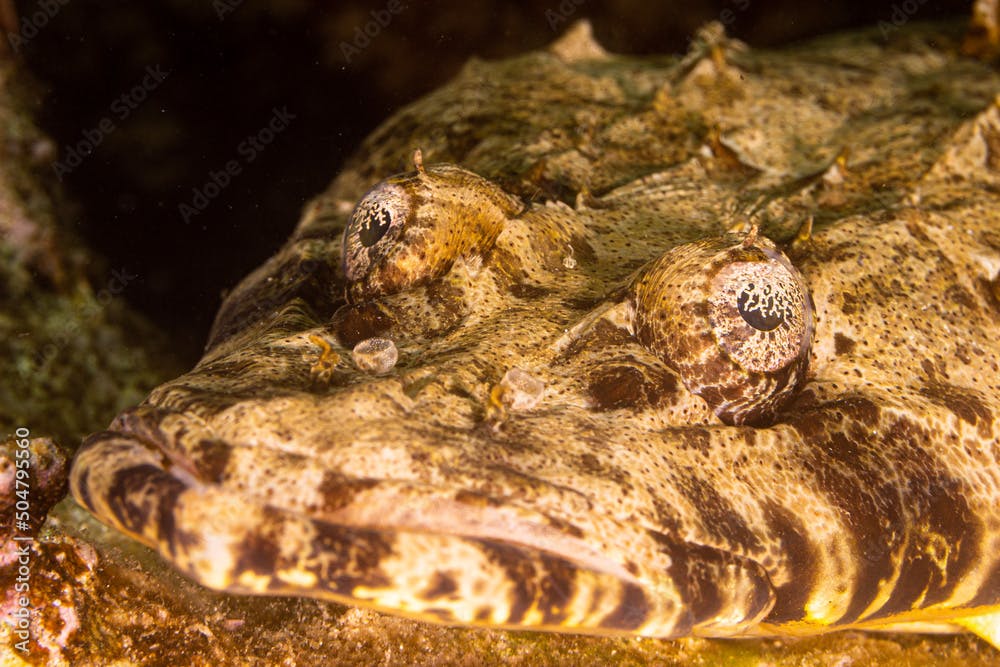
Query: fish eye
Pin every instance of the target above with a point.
(735, 321)
(759, 310)
(377, 221)
(409, 229)
(373, 222)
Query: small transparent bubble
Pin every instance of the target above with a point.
(375, 355)
(521, 390)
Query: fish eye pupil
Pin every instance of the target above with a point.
(374, 224)
(760, 308)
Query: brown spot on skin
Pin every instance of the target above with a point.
(858, 408)
(349, 557)
(698, 309)
(960, 296)
(355, 323)
(965, 404)
(806, 399)
(631, 385)
(697, 438)
(557, 583)
(617, 387)
(604, 470)
(258, 553)
(666, 513)
(338, 491)
(589, 463)
(843, 344)
(83, 491)
(601, 336)
(441, 586)
(539, 580)
(850, 303)
(963, 353)
(917, 231)
(144, 495)
(210, 458)
(167, 529)
(565, 527)
(448, 301)
(800, 558)
(631, 612)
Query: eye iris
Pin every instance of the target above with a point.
(762, 308)
(759, 313)
(375, 223)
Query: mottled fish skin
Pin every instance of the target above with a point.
(529, 462)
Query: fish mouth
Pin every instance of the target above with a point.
(428, 552)
(618, 576)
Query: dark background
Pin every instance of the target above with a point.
(230, 63)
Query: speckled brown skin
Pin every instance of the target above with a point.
(615, 501)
